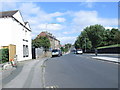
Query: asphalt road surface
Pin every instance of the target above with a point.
(80, 71)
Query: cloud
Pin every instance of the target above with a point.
(86, 18)
(87, 4)
(110, 27)
(60, 19)
(69, 39)
(51, 27)
(82, 19)
(38, 18)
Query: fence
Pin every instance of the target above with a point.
(115, 50)
(40, 53)
(112, 50)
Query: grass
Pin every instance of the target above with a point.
(116, 45)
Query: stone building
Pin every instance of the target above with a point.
(54, 43)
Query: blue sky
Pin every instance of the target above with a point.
(65, 20)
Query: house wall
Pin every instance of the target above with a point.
(52, 43)
(57, 44)
(13, 33)
(18, 16)
(5, 31)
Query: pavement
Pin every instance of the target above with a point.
(105, 57)
(108, 57)
(28, 74)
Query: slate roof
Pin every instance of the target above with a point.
(7, 13)
(10, 14)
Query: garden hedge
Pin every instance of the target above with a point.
(4, 55)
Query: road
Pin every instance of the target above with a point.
(80, 71)
(67, 71)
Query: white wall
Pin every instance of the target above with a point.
(18, 16)
(5, 31)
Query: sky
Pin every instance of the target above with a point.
(65, 20)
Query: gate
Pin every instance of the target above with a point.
(33, 53)
(12, 52)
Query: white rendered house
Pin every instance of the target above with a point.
(13, 30)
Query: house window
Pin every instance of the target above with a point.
(25, 51)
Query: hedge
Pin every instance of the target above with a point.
(110, 46)
(4, 55)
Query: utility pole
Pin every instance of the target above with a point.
(85, 44)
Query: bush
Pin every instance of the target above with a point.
(4, 55)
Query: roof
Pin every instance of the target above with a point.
(44, 34)
(7, 13)
(10, 14)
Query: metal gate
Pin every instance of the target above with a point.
(33, 53)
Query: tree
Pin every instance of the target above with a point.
(117, 37)
(66, 47)
(95, 34)
(83, 41)
(41, 42)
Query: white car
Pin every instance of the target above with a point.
(56, 52)
(79, 51)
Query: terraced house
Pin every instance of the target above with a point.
(15, 34)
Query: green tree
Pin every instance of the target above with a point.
(117, 37)
(83, 41)
(66, 47)
(41, 42)
(95, 34)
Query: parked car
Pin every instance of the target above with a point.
(56, 52)
(79, 51)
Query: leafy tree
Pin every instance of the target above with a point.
(117, 37)
(106, 38)
(41, 42)
(66, 48)
(68, 45)
(95, 34)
